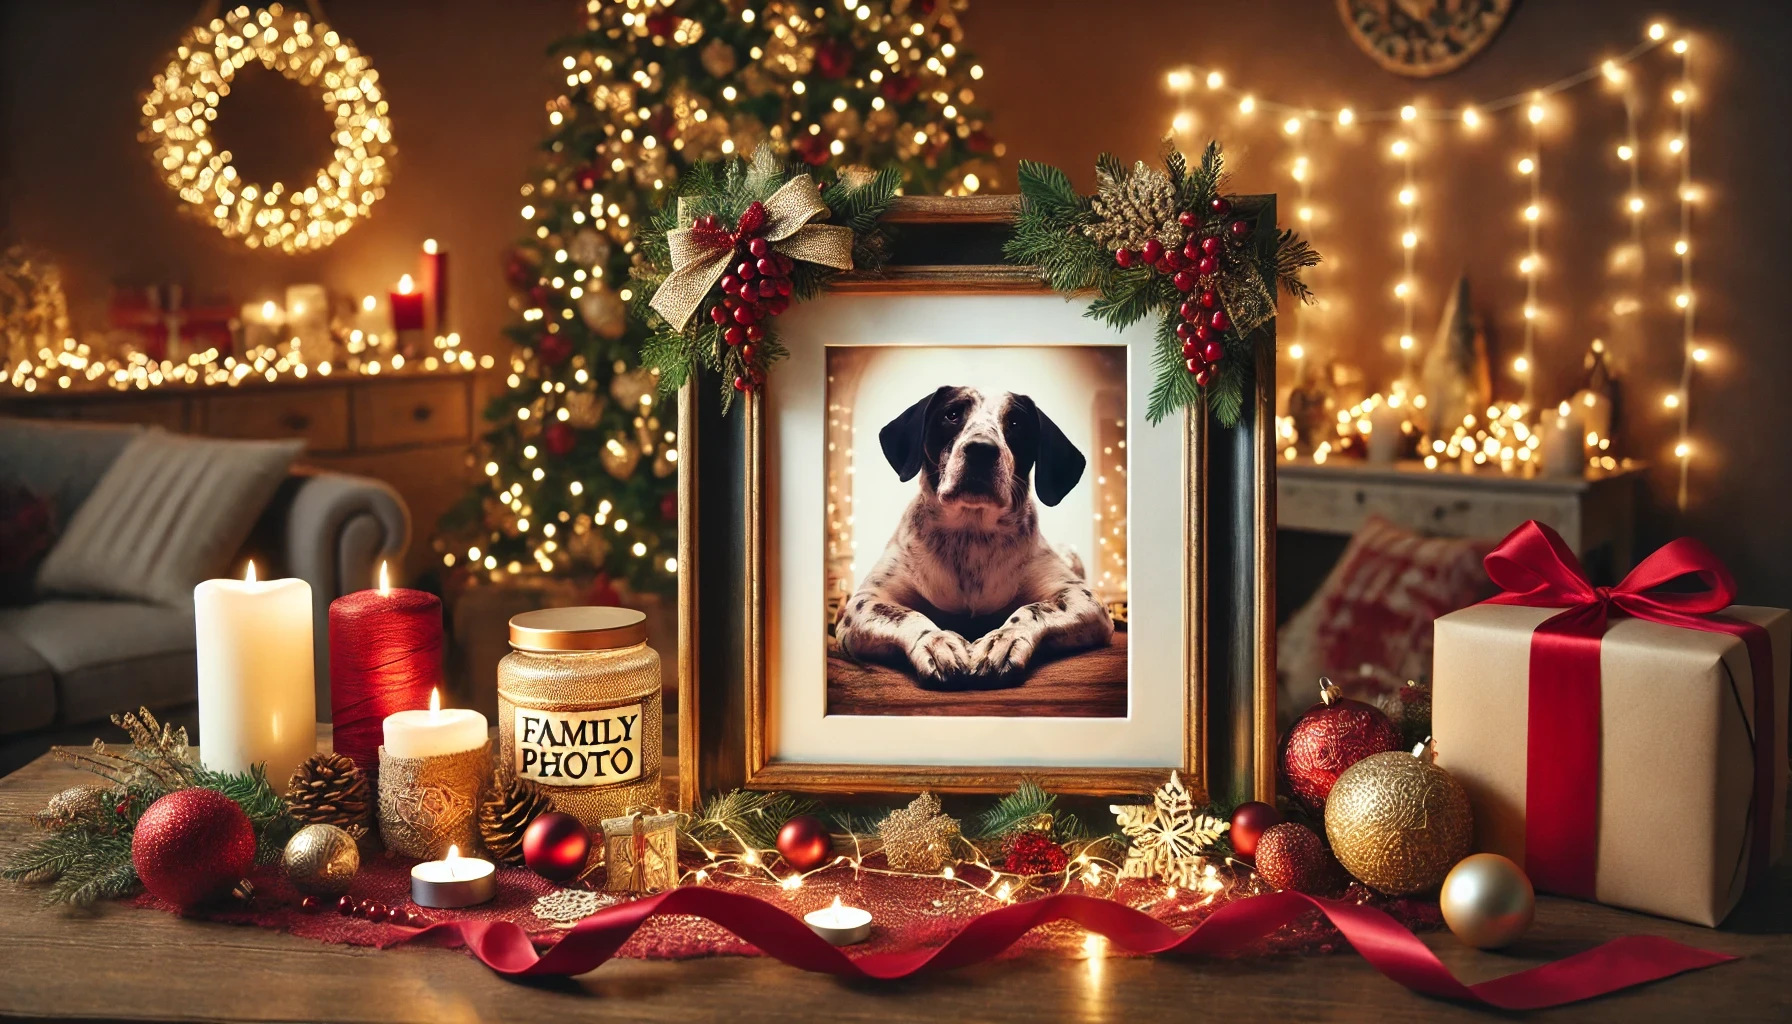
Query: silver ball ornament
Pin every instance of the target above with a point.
(1487, 901)
(321, 860)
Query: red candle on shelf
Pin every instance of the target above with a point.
(407, 306)
(435, 284)
(385, 656)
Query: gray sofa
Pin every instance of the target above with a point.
(66, 665)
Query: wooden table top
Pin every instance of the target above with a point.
(120, 963)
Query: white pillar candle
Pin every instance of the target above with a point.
(1384, 432)
(257, 695)
(1564, 443)
(434, 732)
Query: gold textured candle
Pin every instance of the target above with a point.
(579, 709)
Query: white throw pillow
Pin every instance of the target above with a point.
(170, 512)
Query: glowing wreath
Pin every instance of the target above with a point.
(183, 101)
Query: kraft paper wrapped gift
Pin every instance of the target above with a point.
(1676, 759)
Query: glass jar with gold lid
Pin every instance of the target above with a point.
(579, 709)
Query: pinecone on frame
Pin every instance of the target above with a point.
(330, 789)
(1134, 209)
(509, 806)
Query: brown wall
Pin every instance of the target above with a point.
(466, 85)
(1066, 80)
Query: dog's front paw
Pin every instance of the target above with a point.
(941, 657)
(1002, 654)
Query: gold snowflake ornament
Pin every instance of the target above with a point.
(1167, 836)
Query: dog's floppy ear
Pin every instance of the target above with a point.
(1060, 464)
(904, 438)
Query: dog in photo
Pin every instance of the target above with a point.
(969, 592)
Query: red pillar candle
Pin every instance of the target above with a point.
(407, 306)
(385, 656)
(435, 284)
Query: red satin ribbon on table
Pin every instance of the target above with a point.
(1389, 947)
(1534, 568)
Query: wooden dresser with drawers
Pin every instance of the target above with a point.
(411, 430)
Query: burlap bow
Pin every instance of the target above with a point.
(699, 259)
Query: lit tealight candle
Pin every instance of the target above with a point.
(454, 881)
(840, 925)
(434, 732)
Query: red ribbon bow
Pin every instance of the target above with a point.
(1534, 568)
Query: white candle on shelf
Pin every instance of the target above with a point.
(840, 925)
(257, 692)
(434, 732)
(1564, 443)
(1385, 420)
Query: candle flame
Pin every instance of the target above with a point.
(405, 284)
(385, 580)
(435, 700)
(249, 577)
(836, 905)
(429, 246)
(453, 852)
(269, 310)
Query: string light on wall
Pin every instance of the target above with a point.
(1537, 107)
(1531, 168)
(1694, 353)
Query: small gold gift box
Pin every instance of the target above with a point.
(641, 852)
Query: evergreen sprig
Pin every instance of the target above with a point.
(745, 818)
(1054, 233)
(1029, 806)
(89, 858)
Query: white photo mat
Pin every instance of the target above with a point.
(799, 729)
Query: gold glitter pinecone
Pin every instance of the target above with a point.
(330, 789)
(1135, 208)
(1397, 822)
(510, 805)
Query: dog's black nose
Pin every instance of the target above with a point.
(980, 454)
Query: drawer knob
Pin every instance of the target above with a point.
(422, 413)
(295, 421)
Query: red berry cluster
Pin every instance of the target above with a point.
(755, 288)
(371, 910)
(1194, 269)
(1033, 852)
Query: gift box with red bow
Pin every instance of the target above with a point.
(1625, 744)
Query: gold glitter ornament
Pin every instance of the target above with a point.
(321, 860)
(718, 58)
(1134, 207)
(918, 837)
(589, 248)
(1167, 836)
(620, 456)
(1398, 822)
(604, 311)
(582, 409)
(628, 387)
(74, 804)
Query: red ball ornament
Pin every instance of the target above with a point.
(554, 349)
(587, 177)
(1032, 852)
(1330, 737)
(1290, 856)
(1249, 821)
(804, 842)
(192, 845)
(559, 439)
(555, 846)
(834, 59)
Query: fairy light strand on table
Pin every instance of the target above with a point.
(1298, 120)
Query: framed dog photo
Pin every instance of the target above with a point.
(945, 549)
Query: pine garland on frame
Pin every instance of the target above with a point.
(741, 242)
(1170, 243)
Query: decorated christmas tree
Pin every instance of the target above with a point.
(579, 458)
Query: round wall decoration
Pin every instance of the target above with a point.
(183, 100)
(1422, 38)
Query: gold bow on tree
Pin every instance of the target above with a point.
(703, 251)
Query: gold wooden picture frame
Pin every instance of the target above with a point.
(948, 246)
